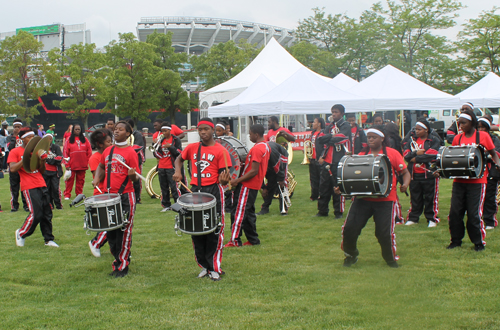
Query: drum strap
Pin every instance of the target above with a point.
(108, 183)
(477, 138)
(198, 169)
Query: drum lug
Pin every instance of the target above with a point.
(219, 225)
(176, 226)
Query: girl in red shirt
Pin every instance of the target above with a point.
(78, 150)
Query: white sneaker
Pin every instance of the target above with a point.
(19, 239)
(432, 224)
(409, 223)
(96, 252)
(489, 227)
(214, 276)
(203, 273)
(166, 209)
(66, 198)
(51, 243)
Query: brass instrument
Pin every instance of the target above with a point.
(290, 153)
(149, 183)
(336, 131)
(291, 184)
(286, 199)
(308, 151)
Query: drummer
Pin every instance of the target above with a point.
(35, 191)
(208, 161)
(468, 194)
(118, 180)
(382, 209)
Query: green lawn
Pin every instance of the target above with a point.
(293, 280)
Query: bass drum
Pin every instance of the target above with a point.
(466, 162)
(237, 154)
(365, 175)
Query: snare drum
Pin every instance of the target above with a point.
(104, 212)
(365, 175)
(198, 215)
(237, 154)
(467, 162)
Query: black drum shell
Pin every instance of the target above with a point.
(200, 214)
(467, 162)
(104, 212)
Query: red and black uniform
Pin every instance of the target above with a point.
(424, 187)
(166, 157)
(37, 198)
(331, 146)
(277, 170)
(14, 177)
(243, 211)
(117, 182)
(314, 167)
(101, 237)
(53, 174)
(490, 207)
(79, 153)
(271, 134)
(208, 162)
(383, 211)
(468, 196)
(174, 131)
(358, 138)
(452, 131)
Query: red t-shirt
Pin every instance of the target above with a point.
(94, 161)
(118, 171)
(271, 135)
(485, 141)
(166, 160)
(212, 159)
(398, 165)
(174, 131)
(259, 153)
(28, 180)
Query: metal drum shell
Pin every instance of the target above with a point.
(459, 162)
(94, 205)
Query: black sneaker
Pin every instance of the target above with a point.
(478, 247)
(14, 210)
(113, 273)
(338, 216)
(453, 245)
(393, 264)
(121, 273)
(319, 214)
(349, 261)
(263, 211)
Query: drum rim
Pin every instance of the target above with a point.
(113, 200)
(198, 207)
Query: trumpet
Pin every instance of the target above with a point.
(286, 199)
(414, 145)
(155, 146)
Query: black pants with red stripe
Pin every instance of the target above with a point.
(467, 197)
(167, 184)
(490, 207)
(15, 185)
(243, 216)
(208, 248)
(326, 184)
(383, 214)
(314, 178)
(272, 188)
(52, 181)
(138, 185)
(423, 192)
(40, 213)
(120, 240)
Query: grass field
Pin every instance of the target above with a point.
(293, 280)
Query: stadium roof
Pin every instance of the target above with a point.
(197, 34)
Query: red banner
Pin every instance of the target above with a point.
(300, 137)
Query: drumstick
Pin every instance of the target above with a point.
(140, 176)
(227, 169)
(97, 187)
(182, 184)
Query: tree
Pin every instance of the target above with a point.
(223, 61)
(80, 76)
(480, 41)
(131, 89)
(317, 59)
(22, 75)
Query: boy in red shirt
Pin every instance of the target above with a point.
(35, 192)
(208, 175)
(247, 187)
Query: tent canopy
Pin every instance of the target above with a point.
(343, 81)
(392, 89)
(483, 94)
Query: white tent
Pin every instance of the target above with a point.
(392, 89)
(273, 61)
(343, 81)
(483, 94)
(304, 92)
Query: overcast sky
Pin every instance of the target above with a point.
(105, 18)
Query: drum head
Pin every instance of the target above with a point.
(196, 198)
(384, 176)
(102, 198)
(479, 162)
(237, 154)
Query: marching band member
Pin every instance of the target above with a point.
(358, 136)
(276, 175)
(377, 119)
(66, 135)
(314, 167)
(332, 146)
(35, 192)
(275, 131)
(174, 131)
(424, 187)
(228, 128)
(247, 188)
(118, 180)
(78, 150)
(382, 209)
(110, 125)
(454, 128)
(394, 141)
(100, 139)
(14, 141)
(138, 142)
(490, 206)
(169, 147)
(468, 194)
(52, 175)
(208, 168)
(220, 129)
